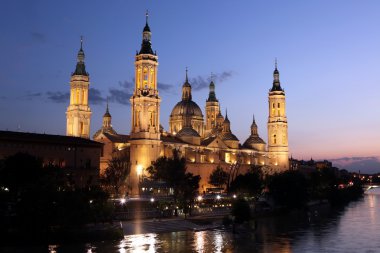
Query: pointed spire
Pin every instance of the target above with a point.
(276, 78)
(211, 94)
(275, 63)
(186, 88)
(146, 28)
(107, 114)
(146, 46)
(253, 118)
(187, 79)
(80, 68)
(226, 118)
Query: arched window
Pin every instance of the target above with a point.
(274, 139)
(77, 97)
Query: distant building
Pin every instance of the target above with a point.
(206, 141)
(80, 158)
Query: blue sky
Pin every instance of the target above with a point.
(328, 58)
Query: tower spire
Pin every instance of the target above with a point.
(80, 68)
(186, 88)
(146, 46)
(276, 78)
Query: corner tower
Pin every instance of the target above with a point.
(78, 113)
(145, 106)
(212, 109)
(277, 125)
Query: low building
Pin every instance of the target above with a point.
(78, 156)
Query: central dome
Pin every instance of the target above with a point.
(186, 108)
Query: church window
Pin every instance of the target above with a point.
(278, 105)
(151, 119)
(274, 139)
(81, 128)
(138, 78)
(145, 81)
(151, 77)
(227, 157)
(77, 97)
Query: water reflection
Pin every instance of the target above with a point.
(354, 228)
(138, 243)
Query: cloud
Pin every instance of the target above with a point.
(163, 87)
(129, 85)
(202, 82)
(58, 96)
(368, 165)
(30, 95)
(38, 37)
(95, 96)
(119, 96)
(225, 75)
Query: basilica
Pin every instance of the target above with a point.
(204, 139)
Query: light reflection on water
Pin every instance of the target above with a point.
(352, 229)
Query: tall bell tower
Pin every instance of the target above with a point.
(212, 108)
(145, 109)
(277, 125)
(78, 113)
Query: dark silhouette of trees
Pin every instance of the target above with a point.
(289, 189)
(172, 171)
(250, 184)
(218, 177)
(37, 199)
(115, 175)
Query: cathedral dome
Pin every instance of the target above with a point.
(249, 143)
(186, 108)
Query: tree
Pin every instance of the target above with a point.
(188, 191)
(173, 172)
(116, 173)
(218, 177)
(289, 189)
(250, 183)
(170, 170)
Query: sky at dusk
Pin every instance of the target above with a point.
(328, 56)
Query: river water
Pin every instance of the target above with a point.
(355, 228)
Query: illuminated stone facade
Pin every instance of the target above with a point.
(78, 113)
(278, 149)
(205, 142)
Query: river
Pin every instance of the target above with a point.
(355, 228)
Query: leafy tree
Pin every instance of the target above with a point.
(289, 189)
(115, 175)
(250, 183)
(188, 191)
(170, 170)
(218, 177)
(173, 172)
